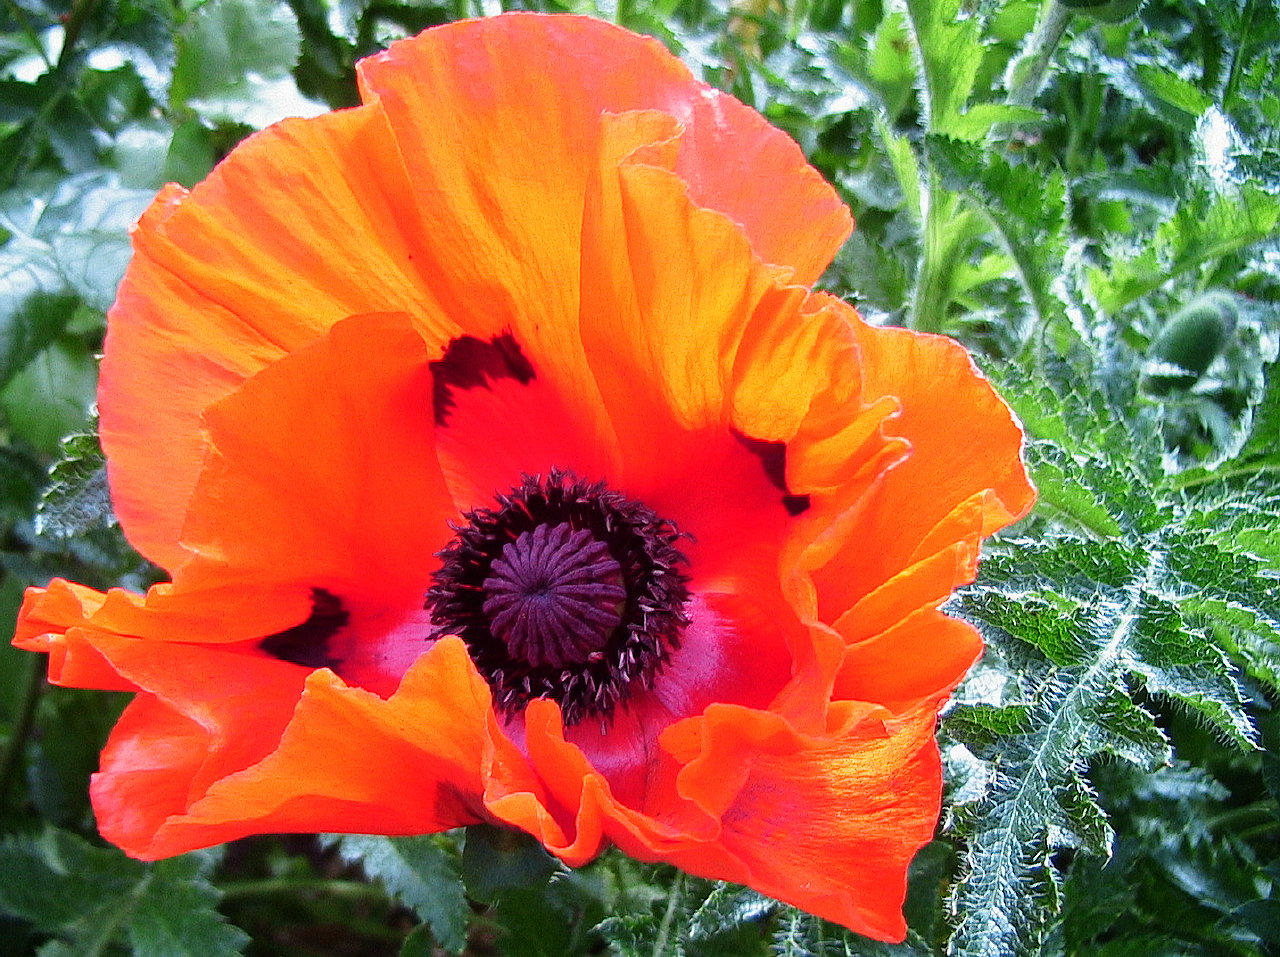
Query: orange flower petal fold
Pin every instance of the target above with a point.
(513, 474)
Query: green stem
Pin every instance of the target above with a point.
(1222, 475)
(948, 233)
(271, 886)
(81, 11)
(1251, 815)
(1237, 56)
(32, 688)
(1027, 73)
(929, 296)
(669, 917)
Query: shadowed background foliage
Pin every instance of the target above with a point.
(1086, 194)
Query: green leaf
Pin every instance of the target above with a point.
(421, 942)
(91, 897)
(30, 316)
(727, 908)
(176, 913)
(51, 397)
(77, 498)
(235, 62)
(54, 879)
(191, 154)
(422, 874)
(1173, 91)
(1079, 624)
(73, 727)
(496, 859)
(1025, 206)
(68, 245)
(948, 41)
(1065, 498)
(1207, 227)
(632, 935)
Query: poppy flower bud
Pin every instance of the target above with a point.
(1189, 342)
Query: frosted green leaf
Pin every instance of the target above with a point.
(421, 874)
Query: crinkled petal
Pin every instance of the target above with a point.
(964, 442)
(826, 822)
(344, 760)
(230, 277)
(323, 471)
(467, 100)
(203, 713)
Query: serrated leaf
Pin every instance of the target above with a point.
(1206, 227)
(726, 908)
(1104, 615)
(1172, 91)
(797, 935)
(175, 914)
(90, 897)
(632, 935)
(1066, 498)
(1192, 672)
(77, 498)
(53, 879)
(421, 874)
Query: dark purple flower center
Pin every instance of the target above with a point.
(555, 596)
(567, 590)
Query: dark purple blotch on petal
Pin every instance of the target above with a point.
(773, 457)
(307, 644)
(472, 363)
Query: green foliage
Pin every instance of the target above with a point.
(235, 61)
(1059, 185)
(421, 873)
(83, 900)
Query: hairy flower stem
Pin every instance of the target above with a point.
(674, 900)
(948, 231)
(24, 720)
(1026, 73)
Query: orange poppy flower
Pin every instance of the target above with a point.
(507, 471)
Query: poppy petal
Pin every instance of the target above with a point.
(943, 490)
(312, 485)
(467, 99)
(205, 713)
(71, 624)
(228, 278)
(344, 760)
(861, 799)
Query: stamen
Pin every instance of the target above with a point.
(567, 590)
